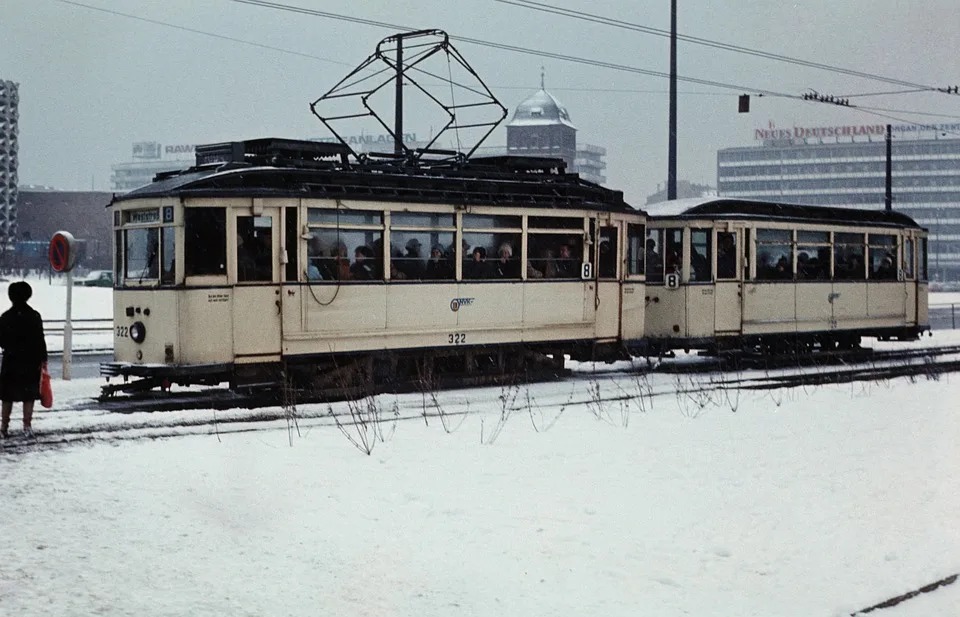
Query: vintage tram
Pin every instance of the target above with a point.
(279, 257)
(732, 274)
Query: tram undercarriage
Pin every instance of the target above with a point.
(361, 374)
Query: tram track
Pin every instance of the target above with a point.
(748, 372)
(220, 412)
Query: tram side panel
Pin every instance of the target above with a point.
(886, 304)
(205, 325)
(355, 318)
(146, 327)
(701, 307)
(769, 308)
(911, 302)
(560, 311)
(849, 304)
(665, 316)
(923, 304)
(815, 306)
(633, 310)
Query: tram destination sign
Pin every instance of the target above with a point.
(141, 217)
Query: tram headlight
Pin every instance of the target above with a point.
(138, 332)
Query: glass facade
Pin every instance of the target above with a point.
(926, 183)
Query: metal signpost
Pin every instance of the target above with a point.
(63, 256)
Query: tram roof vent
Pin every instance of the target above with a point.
(275, 152)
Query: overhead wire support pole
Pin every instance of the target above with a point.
(398, 114)
(888, 200)
(672, 147)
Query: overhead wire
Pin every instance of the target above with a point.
(523, 50)
(515, 48)
(203, 32)
(618, 23)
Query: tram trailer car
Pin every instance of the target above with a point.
(269, 255)
(725, 274)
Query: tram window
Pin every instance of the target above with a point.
(883, 257)
(168, 274)
(344, 255)
(908, 257)
(254, 248)
(635, 250)
(341, 216)
(774, 254)
(422, 255)
(491, 255)
(290, 244)
(486, 221)
(205, 241)
(422, 219)
(554, 256)
(142, 254)
(923, 260)
(607, 260)
(848, 262)
(673, 258)
(654, 256)
(118, 257)
(555, 222)
(726, 255)
(813, 255)
(700, 253)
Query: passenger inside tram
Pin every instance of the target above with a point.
(506, 267)
(654, 265)
(476, 268)
(362, 268)
(567, 266)
(726, 255)
(439, 266)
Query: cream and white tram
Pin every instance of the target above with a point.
(732, 274)
(272, 254)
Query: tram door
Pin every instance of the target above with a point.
(730, 253)
(607, 298)
(256, 296)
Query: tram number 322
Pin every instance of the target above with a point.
(457, 338)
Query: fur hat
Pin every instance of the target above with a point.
(19, 292)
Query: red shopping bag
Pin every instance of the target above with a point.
(46, 392)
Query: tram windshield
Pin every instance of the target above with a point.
(142, 254)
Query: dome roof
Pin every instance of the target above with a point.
(541, 109)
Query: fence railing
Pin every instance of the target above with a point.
(55, 326)
(953, 312)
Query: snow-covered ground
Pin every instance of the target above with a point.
(600, 495)
(944, 298)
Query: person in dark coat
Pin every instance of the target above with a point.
(24, 356)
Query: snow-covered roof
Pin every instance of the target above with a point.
(541, 109)
(675, 207)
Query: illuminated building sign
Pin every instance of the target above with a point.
(369, 140)
(179, 149)
(849, 131)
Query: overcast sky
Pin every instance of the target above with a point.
(92, 82)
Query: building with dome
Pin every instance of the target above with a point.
(541, 126)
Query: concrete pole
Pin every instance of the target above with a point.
(68, 328)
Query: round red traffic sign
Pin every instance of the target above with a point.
(62, 253)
